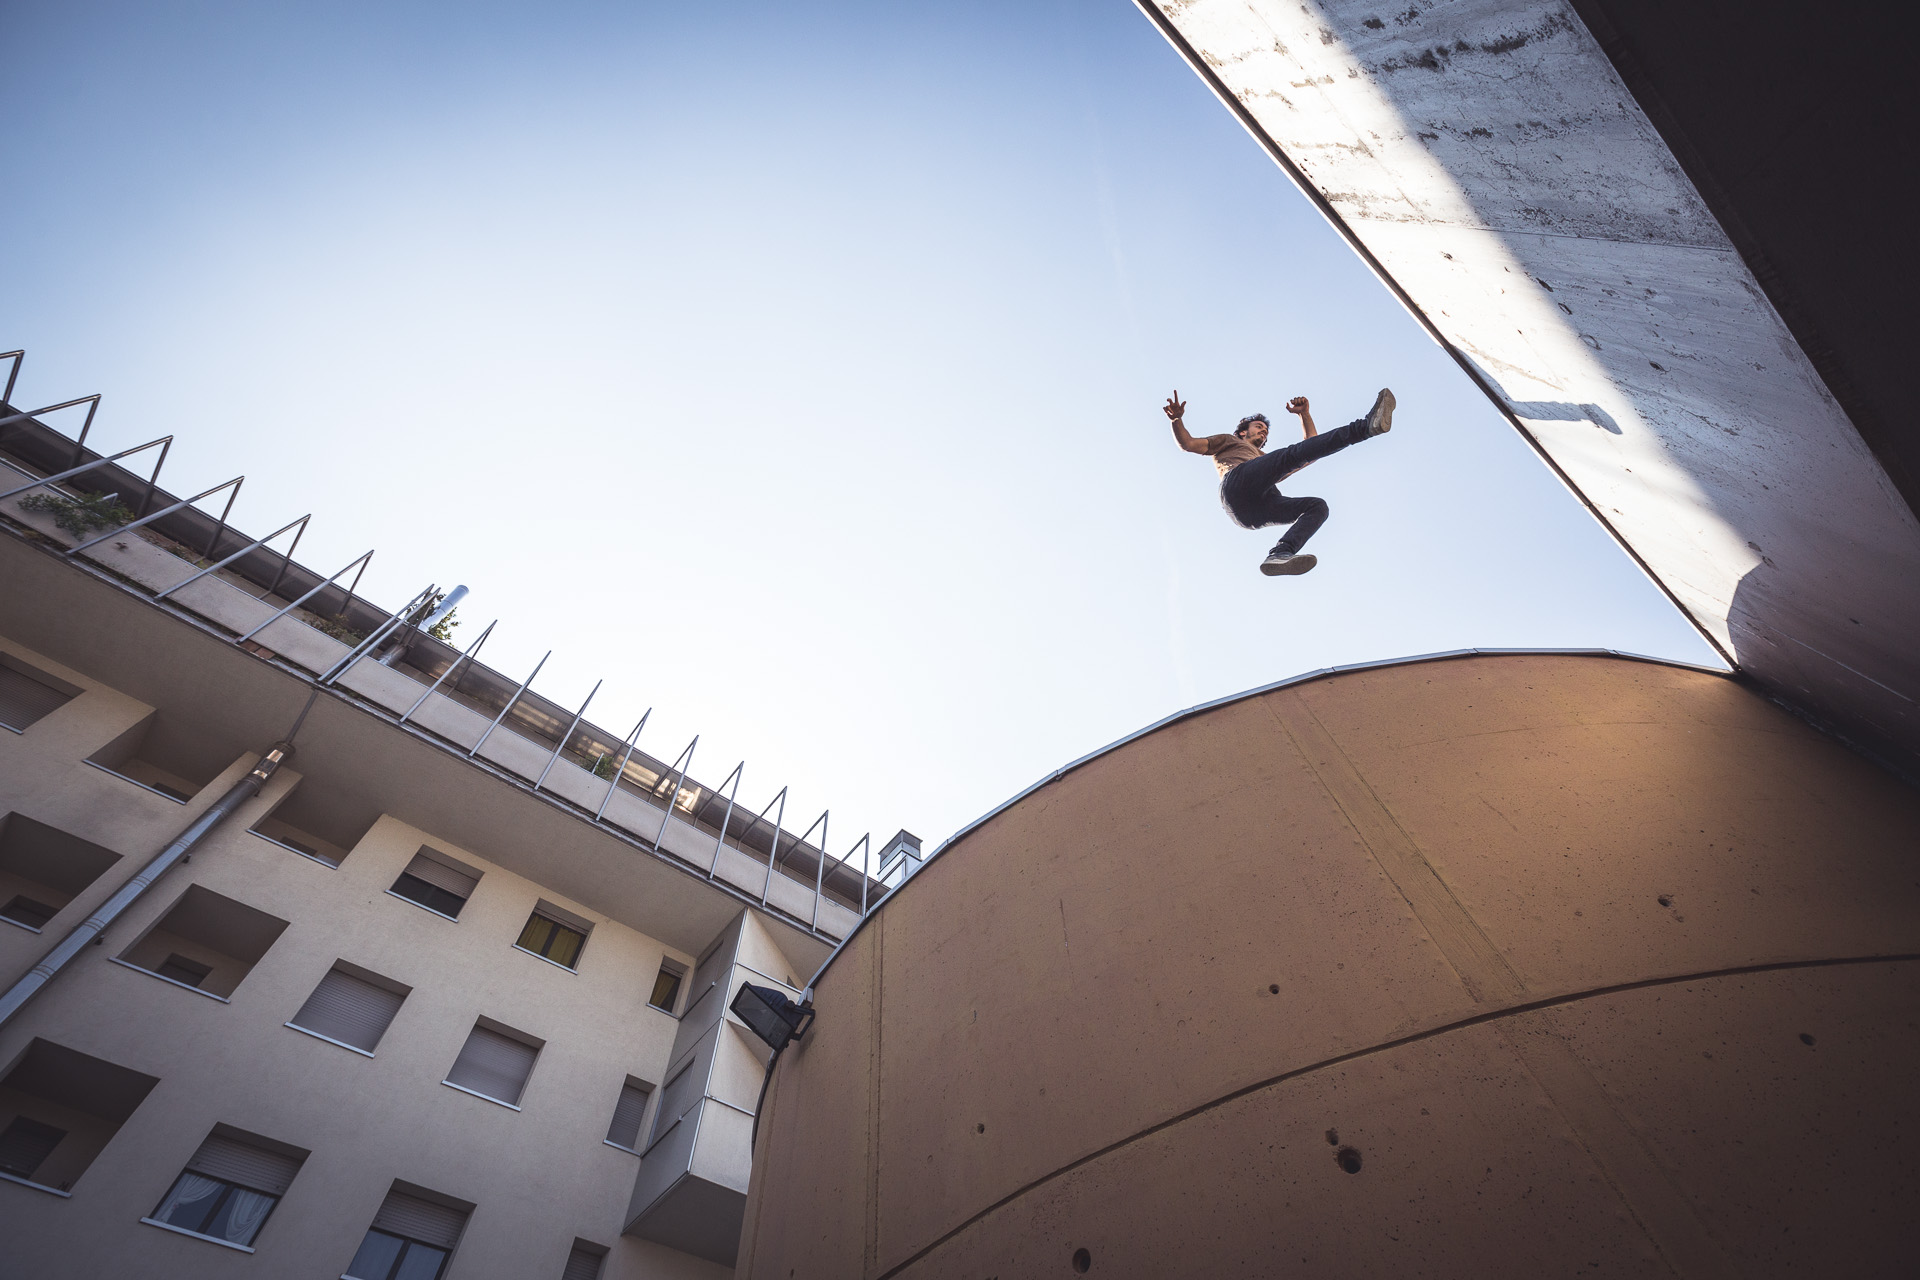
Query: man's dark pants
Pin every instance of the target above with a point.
(1251, 496)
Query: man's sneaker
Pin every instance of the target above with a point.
(1279, 562)
(1380, 417)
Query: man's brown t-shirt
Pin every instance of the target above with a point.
(1230, 451)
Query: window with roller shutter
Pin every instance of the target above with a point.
(583, 1263)
(411, 1239)
(624, 1132)
(435, 884)
(350, 1010)
(493, 1065)
(228, 1189)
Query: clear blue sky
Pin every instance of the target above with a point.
(796, 368)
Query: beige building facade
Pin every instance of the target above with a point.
(446, 996)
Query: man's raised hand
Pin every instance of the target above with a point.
(1297, 405)
(1176, 409)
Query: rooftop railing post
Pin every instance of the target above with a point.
(153, 480)
(31, 414)
(620, 770)
(221, 528)
(774, 853)
(686, 755)
(70, 472)
(562, 744)
(819, 872)
(253, 546)
(472, 649)
(347, 599)
(6, 397)
(373, 639)
(77, 547)
(739, 772)
(285, 562)
(80, 445)
(279, 614)
(510, 701)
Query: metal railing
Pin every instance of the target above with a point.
(29, 444)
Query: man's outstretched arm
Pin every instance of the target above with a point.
(1175, 409)
(1298, 406)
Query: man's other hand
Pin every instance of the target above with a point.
(1297, 405)
(1176, 408)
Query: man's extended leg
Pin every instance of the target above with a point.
(1272, 468)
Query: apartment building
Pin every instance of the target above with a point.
(441, 987)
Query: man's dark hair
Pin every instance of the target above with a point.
(1249, 420)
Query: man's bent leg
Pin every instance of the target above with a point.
(1307, 514)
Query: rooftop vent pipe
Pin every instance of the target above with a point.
(432, 620)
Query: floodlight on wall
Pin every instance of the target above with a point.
(777, 1020)
(770, 1015)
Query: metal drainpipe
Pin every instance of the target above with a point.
(71, 945)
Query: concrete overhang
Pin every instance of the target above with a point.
(1491, 165)
(236, 701)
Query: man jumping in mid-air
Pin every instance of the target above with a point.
(1250, 477)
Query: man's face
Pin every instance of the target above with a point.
(1257, 434)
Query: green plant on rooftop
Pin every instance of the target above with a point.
(443, 629)
(605, 765)
(79, 516)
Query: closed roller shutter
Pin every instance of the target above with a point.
(625, 1129)
(441, 876)
(418, 1219)
(582, 1264)
(494, 1065)
(348, 1009)
(255, 1168)
(24, 700)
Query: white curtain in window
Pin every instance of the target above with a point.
(245, 1212)
(191, 1188)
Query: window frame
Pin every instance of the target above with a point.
(680, 974)
(227, 1188)
(557, 927)
(406, 1243)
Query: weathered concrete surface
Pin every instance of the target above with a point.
(1482, 917)
(1488, 159)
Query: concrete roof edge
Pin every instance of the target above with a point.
(1306, 677)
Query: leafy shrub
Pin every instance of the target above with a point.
(79, 516)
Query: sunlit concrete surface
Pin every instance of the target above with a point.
(1517, 965)
(1490, 162)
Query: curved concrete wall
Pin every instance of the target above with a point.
(1515, 965)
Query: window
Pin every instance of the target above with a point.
(24, 910)
(555, 935)
(182, 970)
(28, 694)
(25, 1146)
(228, 1188)
(625, 1129)
(318, 820)
(58, 1108)
(666, 987)
(583, 1262)
(353, 1009)
(411, 1239)
(436, 884)
(175, 760)
(206, 941)
(494, 1064)
(42, 869)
